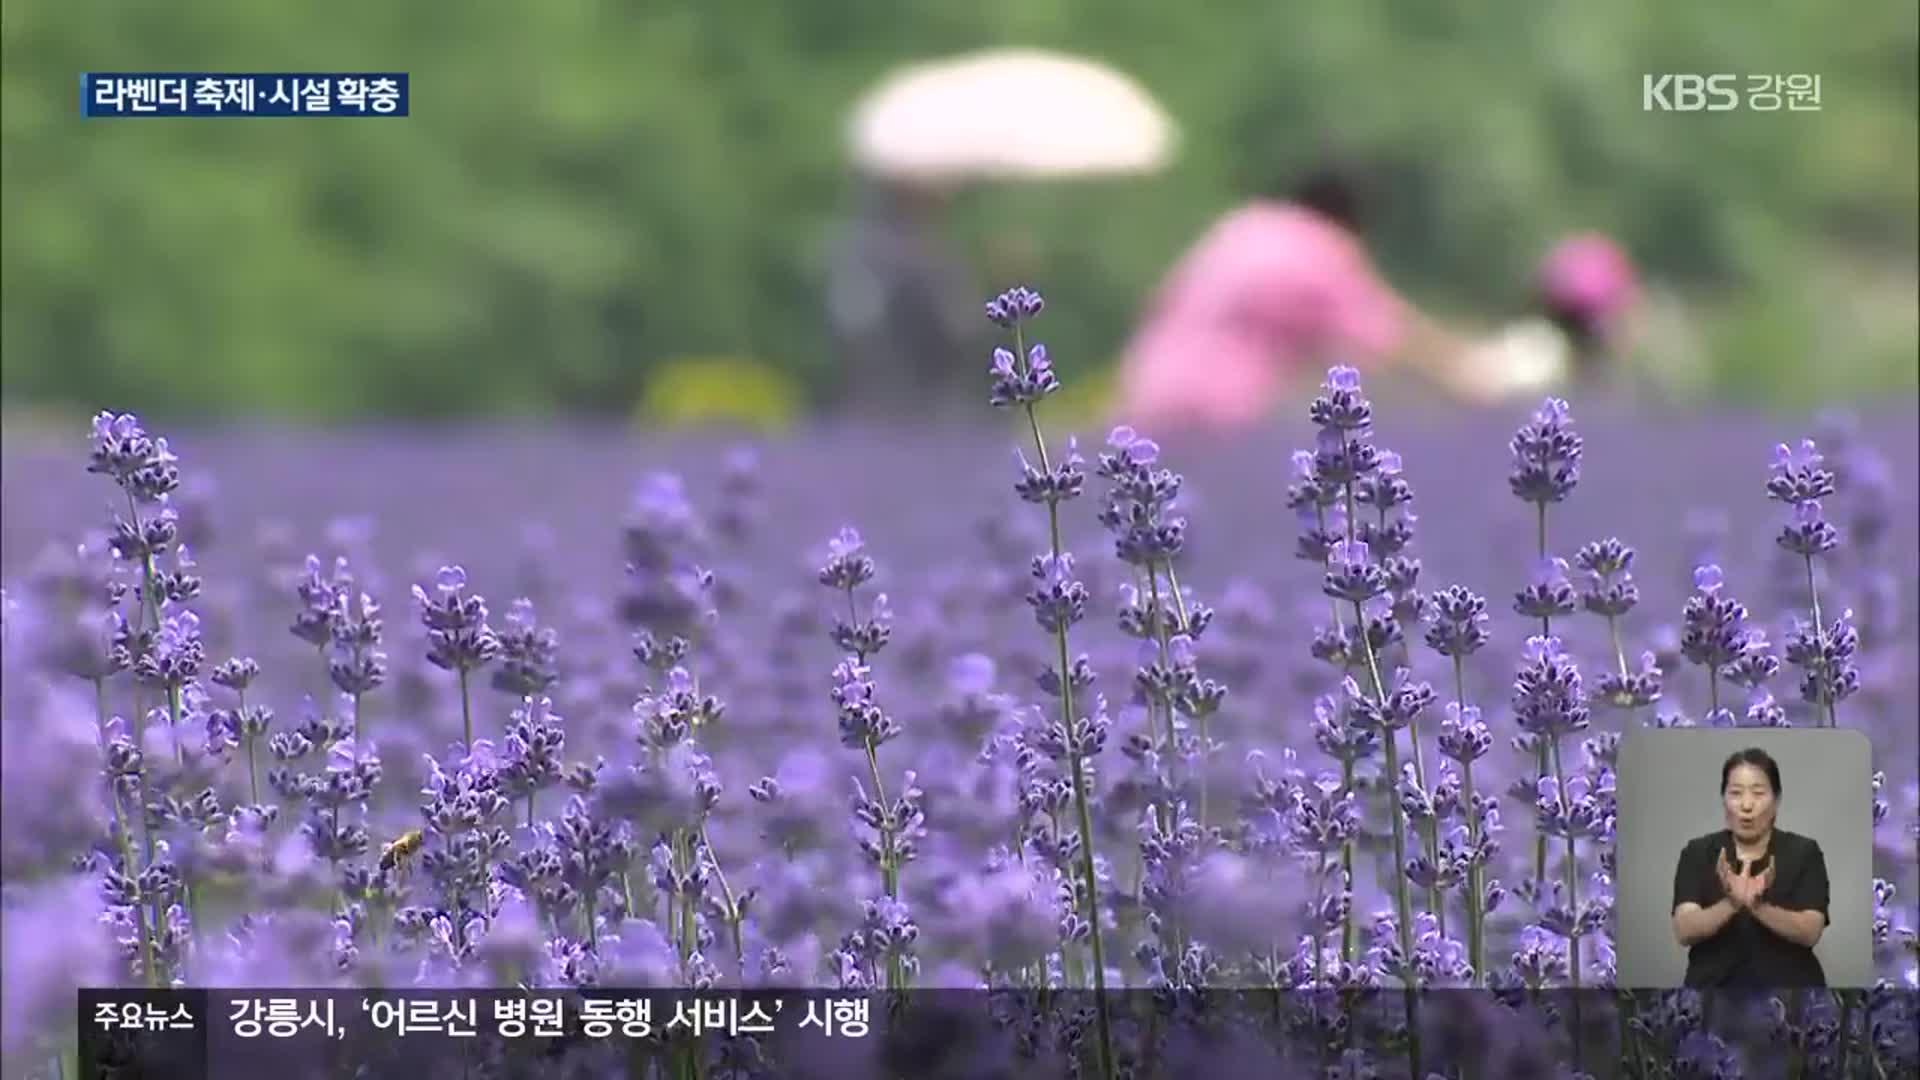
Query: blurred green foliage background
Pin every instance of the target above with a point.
(589, 189)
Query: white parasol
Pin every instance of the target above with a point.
(1009, 114)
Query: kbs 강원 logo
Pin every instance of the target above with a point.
(1689, 93)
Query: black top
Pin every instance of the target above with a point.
(1745, 953)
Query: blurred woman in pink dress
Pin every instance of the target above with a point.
(1279, 290)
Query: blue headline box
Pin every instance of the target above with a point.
(213, 93)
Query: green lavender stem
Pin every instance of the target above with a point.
(1573, 902)
(1475, 929)
(688, 936)
(1548, 756)
(149, 602)
(1090, 877)
(1431, 829)
(889, 872)
(1846, 1030)
(466, 711)
(323, 695)
(1540, 754)
(100, 722)
(173, 723)
(734, 917)
(1629, 1041)
(1430, 832)
(1346, 870)
(1402, 906)
(151, 911)
(1630, 1049)
(1820, 636)
(1613, 638)
(593, 930)
(1162, 639)
(1206, 743)
(335, 901)
(125, 839)
(253, 770)
(1346, 767)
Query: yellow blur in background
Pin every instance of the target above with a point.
(721, 391)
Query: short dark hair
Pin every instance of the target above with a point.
(1757, 758)
(1582, 332)
(1336, 190)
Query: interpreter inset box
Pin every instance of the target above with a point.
(1744, 858)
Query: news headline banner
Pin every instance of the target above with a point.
(940, 1034)
(195, 93)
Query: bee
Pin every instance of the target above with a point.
(398, 855)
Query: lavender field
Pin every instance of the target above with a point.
(671, 711)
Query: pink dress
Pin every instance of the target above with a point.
(1270, 294)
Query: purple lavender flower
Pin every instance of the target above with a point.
(139, 463)
(357, 663)
(1756, 664)
(1799, 474)
(1809, 533)
(528, 654)
(863, 722)
(1610, 590)
(319, 601)
(668, 716)
(1463, 737)
(1631, 688)
(1341, 733)
(1341, 406)
(1140, 501)
(591, 853)
(1456, 622)
(1015, 306)
(1022, 379)
(459, 639)
(1058, 599)
(1799, 477)
(848, 566)
(1826, 656)
(459, 808)
(1550, 595)
(535, 741)
(1341, 460)
(1054, 484)
(1548, 699)
(1350, 576)
(1540, 961)
(136, 681)
(1714, 626)
(1546, 456)
(176, 655)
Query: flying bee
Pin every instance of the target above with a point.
(398, 855)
